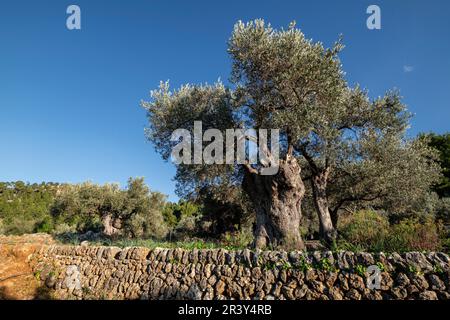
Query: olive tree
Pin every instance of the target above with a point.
(279, 80)
(391, 174)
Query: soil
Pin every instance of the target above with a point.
(17, 281)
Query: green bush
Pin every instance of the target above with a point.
(446, 244)
(45, 226)
(371, 231)
(82, 205)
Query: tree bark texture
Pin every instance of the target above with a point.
(319, 187)
(277, 202)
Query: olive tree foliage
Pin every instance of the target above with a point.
(178, 109)
(282, 80)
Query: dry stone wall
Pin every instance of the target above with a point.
(86, 272)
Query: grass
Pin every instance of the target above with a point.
(360, 270)
(151, 243)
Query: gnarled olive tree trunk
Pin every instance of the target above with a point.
(111, 225)
(277, 202)
(319, 189)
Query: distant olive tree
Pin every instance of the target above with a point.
(134, 212)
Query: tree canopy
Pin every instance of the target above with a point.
(332, 135)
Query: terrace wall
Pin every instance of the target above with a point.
(86, 272)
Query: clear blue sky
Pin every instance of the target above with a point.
(69, 100)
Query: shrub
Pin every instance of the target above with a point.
(46, 225)
(443, 210)
(413, 234)
(187, 227)
(142, 227)
(169, 216)
(19, 225)
(64, 228)
(371, 231)
(82, 205)
(446, 244)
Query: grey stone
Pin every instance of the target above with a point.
(428, 295)
(436, 283)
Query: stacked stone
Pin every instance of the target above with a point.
(87, 272)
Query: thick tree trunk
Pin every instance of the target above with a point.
(319, 188)
(277, 202)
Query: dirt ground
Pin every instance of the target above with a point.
(17, 281)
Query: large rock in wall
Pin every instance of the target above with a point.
(85, 272)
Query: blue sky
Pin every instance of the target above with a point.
(69, 100)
